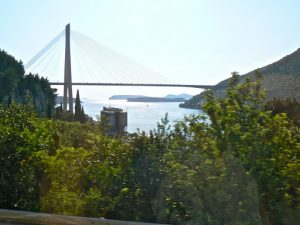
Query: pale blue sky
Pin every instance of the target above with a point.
(190, 41)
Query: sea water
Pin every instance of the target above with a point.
(141, 115)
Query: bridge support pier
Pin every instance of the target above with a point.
(68, 95)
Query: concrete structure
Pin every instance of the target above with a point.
(115, 120)
(68, 95)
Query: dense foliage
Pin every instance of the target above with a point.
(78, 116)
(15, 86)
(241, 167)
(289, 106)
(24, 141)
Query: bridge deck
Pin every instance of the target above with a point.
(143, 85)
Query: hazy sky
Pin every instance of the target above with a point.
(190, 41)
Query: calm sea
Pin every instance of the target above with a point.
(141, 115)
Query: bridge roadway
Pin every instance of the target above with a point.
(145, 85)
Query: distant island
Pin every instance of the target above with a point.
(183, 95)
(125, 97)
(155, 99)
(143, 98)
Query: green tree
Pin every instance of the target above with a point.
(291, 107)
(11, 72)
(143, 175)
(82, 116)
(84, 175)
(24, 142)
(65, 172)
(15, 86)
(41, 93)
(266, 145)
(240, 168)
(77, 107)
(79, 111)
(202, 185)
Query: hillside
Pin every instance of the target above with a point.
(18, 87)
(281, 79)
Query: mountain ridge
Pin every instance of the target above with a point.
(281, 79)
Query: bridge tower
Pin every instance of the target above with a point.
(68, 96)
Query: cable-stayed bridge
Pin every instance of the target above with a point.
(91, 63)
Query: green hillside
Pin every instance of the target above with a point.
(281, 80)
(18, 87)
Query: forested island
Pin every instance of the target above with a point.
(143, 98)
(125, 97)
(155, 99)
(240, 168)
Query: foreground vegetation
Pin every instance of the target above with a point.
(240, 168)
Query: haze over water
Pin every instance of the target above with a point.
(141, 115)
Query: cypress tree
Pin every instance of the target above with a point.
(82, 116)
(9, 101)
(77, 107)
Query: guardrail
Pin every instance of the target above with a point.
(12, 217)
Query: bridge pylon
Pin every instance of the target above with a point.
(68, 95)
